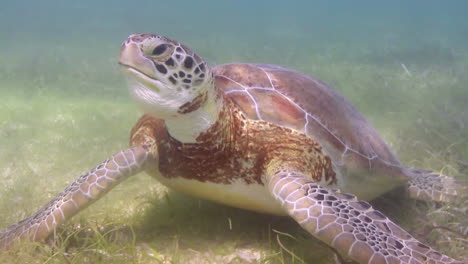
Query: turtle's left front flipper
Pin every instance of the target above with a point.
(80, 194)
(427, 185)
(350, 226)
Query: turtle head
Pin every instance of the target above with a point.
(166, 78)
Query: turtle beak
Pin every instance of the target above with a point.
(137, 68)
(132, 59)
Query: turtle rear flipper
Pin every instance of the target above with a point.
(427, 185)
(81, 193)
(350, 226)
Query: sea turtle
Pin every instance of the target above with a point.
(259, 137)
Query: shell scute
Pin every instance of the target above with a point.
(274, 107)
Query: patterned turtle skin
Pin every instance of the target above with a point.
(259, 137)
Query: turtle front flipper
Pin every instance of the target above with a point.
(427, 185)
(350, 226)
(81, 193)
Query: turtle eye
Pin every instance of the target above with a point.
(160, 49)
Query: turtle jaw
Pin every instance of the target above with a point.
(136, 66)
(131, 56)
(153, 96)
(144, 79)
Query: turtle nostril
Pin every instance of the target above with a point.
(137, 37)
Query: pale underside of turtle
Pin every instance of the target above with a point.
(259, 137)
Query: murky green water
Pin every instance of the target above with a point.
(64, 105)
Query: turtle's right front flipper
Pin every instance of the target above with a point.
(80, 194)
(350, 226)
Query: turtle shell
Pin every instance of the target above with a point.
(296, 100)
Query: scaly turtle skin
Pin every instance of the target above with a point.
(259, 137)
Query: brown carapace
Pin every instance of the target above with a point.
(259, 137)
